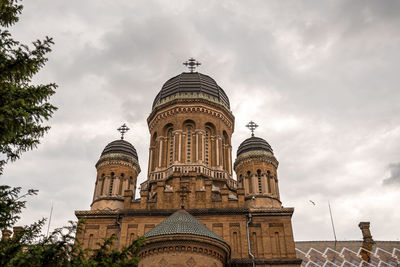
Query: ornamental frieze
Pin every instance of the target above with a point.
(197, 109)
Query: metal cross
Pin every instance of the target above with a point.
(123, 129)
(192, 64)
(252, 126)
(183, 192)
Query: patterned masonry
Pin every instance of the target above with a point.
(225, 222)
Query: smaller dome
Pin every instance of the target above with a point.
(120, 147)
(254, 144)
(181, 222)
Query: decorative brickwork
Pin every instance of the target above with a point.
(190, 144)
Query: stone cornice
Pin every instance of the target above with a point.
(195, 212)
(199, 244)
(118, 159)
(192, 106)
(262, 156)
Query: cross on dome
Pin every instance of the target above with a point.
(123, 129)
(191, 64)
(252, 126)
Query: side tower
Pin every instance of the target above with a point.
(117, 171)
(256, 171)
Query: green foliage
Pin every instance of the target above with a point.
(11, 205)
(23, 106)
(29, 248)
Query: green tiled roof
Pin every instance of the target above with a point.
(182, 222)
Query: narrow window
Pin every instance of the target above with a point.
(259, 181)
(206, 148)
(90, 243)
(188, 144)
(111, 184)
(131, 238)
(235, 242)
(277, 244)
(171, 147)
(250, 182)
(103, 180)
(269, 181)
(253, 243)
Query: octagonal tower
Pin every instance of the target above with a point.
(191, 127)
(117, 171)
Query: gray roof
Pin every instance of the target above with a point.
(254, 143)
(182, 222)
(192, 83)
(120, 147)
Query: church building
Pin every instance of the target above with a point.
(191, 209)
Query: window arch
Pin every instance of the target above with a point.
(259, 181)
(103, 180)
(170, 138)
(249, 182)
(111, 184)
(269, 181)
(189, 138)
(207, 145)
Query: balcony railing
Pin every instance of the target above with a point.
(182, 169)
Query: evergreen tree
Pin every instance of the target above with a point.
(23, 106)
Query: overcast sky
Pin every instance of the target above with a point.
(321, 78)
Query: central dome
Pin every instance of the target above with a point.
(191, 85)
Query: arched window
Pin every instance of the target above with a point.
(102, 184)
(121, 183)
(153, 152)
(259, 181)
(269, 181)
(111, 184)
(171, 147)
(225, 149)
(207, 146)
(90, 242)
(249, 182)
(189, 144)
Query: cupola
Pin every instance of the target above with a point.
(117, 171)
(256, 171)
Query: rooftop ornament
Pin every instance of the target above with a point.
(252, 126)
(192, 64)
(123, 129)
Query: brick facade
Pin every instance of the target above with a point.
(190, 150)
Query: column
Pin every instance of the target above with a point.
(230, 159)
(150, 161)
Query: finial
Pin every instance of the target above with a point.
(123, 129)
(252, 126)
(192, 64)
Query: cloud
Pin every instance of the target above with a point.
(319, 77)
(394, 176)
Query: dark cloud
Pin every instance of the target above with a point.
(320, 77)
(394, 176)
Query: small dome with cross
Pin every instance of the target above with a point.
(253, 143)
(121, 146)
